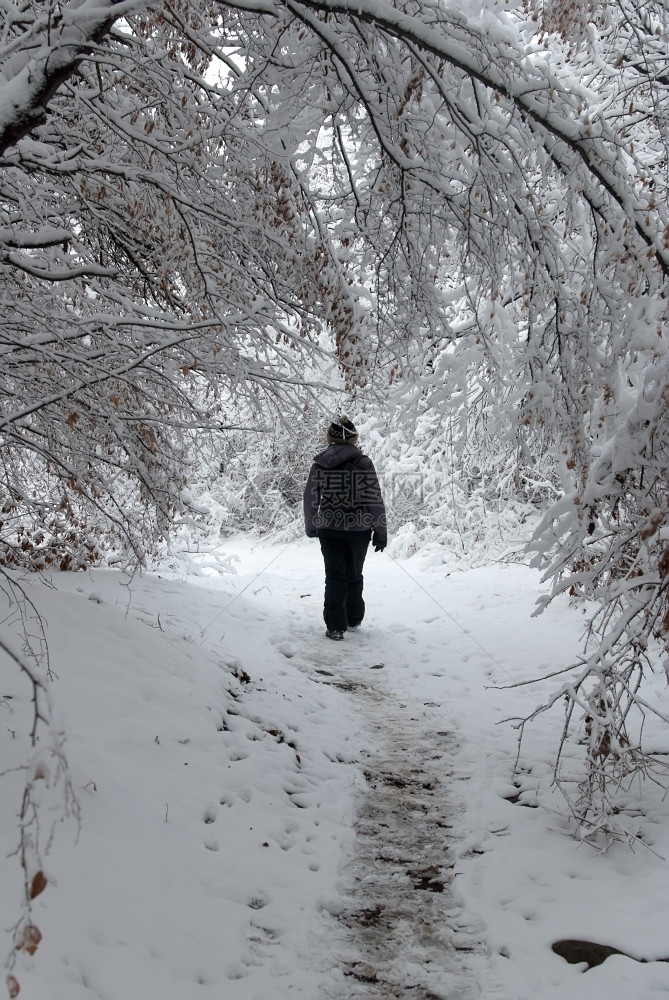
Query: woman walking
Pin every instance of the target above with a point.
(344, 509)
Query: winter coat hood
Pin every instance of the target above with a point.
(347, 500)
(336, 454)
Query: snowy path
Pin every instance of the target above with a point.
(267, 815)
(408, 937)
(405, 933)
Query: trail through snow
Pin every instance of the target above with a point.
(409, 936)
(405, 935)
(267, 815)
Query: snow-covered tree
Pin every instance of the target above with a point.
(194, 194)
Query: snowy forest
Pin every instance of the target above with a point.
(223, 221)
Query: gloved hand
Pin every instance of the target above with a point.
(379, 542)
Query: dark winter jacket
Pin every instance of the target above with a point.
(343, 494)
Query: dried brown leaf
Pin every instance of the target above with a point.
(38, 884)
(663, 564)
(31, 938)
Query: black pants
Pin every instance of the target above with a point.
(344, 556)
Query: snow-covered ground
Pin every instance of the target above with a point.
(267, 814)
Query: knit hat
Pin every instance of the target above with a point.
(342, 431)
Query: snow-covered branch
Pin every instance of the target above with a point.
(54, 44)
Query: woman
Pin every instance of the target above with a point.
(343, 508)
